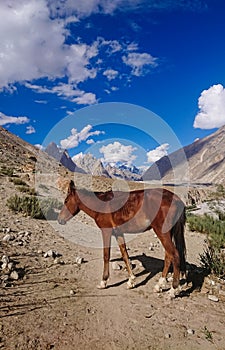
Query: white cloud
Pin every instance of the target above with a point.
(34, 46)
(76, 137)
(157, 153)
(211, 105)
(139, 62)
(85, 8)
(66, 91)
(30, 130)
(5, 119)
(110, 74)
(118, 153)
(31, 48)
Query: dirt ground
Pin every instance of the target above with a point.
(55, 303)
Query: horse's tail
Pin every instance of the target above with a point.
(178, 236)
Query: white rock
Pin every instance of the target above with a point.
(50, 253)
(10, 266)
(167, 335)
(190, 331)
(72, 292)
(7, 238)
(5, 259)
(213, 297)
(79, 260)
(4, 266)
(14, 275)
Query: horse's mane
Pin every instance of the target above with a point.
(104, 196)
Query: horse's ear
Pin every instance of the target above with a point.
(72, 186)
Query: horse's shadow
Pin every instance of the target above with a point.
(152, 266)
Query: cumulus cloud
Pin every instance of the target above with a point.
(110, 74)
(30, 130)
(139, 62)
(37, 48)
(116, 152)
(76, 137)
(157, 153)
(211, 105)
(5, 119)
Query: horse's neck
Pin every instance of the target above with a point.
(90, 204)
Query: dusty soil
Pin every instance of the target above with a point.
(56, 305)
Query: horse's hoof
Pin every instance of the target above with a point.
(131, 283)
(102, 285)
(161, 285)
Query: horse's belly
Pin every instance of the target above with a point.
(136, 226)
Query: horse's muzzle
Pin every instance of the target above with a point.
(61, 221)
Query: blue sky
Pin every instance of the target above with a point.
(58, 57)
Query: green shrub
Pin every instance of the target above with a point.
(18, 182)
(213, 261)
(34, 207)
(28, 190)
(213, 257)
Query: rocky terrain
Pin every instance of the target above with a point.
(49, 298)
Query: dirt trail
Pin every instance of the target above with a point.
(56, 305)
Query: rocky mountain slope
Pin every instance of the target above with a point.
(205, 157)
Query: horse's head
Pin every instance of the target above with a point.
(70, 207)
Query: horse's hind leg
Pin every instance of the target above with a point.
(106, 237)
(162, 283)
(121, 242)
(171, 256)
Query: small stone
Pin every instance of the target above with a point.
(40, 252)
(79, 260)
(4, 266)
(8, 230)
(190, 331)
(72, 292)
(14, 275)
(58, 261)
(213, 297)
(6, 238)
(116, 266)
(5, 259)
(10, 266)
(49, 253)
(151, 247)
(167, 335)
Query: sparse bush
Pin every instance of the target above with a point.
(18, 182)
(213, 261)
(215, 229)
(6, 171)
(34, 207)
(213, 257)
(28, 190)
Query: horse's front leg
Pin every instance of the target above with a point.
(123, 249)
(106, 238)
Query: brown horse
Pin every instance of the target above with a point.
(132, 212)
